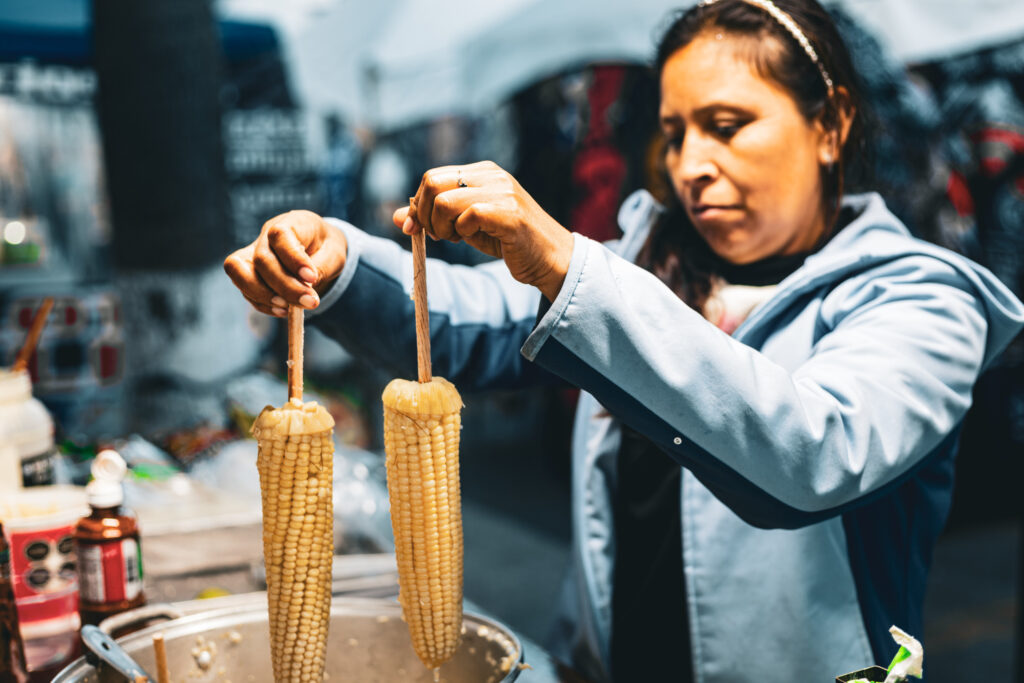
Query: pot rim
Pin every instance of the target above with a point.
(227, 617)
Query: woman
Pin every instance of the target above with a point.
(774, 374)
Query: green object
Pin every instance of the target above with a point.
(24, 254)
(78, 453)
(154, 471)
(909, 660)
(903, 653)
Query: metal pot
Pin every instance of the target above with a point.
(367, 642)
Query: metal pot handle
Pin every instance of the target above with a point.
(102, 648)
(119, 622)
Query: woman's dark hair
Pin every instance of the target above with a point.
(674, 251)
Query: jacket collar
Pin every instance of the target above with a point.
(874, 237)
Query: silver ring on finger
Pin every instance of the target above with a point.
(458, 179)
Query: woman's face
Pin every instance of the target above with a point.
(742, 158)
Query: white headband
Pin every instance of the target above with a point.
(794, 30)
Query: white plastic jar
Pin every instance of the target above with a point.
(26, 435)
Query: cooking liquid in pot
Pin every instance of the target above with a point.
(367, 642)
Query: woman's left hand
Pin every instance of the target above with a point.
(483, 205)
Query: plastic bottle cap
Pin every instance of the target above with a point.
(108, 470)
(109, 465)
(104, 493)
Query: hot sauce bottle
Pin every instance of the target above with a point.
(107, 545)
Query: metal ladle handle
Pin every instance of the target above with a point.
(102, 648)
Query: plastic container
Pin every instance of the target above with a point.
(38, 523)
(27, 453)
(107, 545)
(872, 673)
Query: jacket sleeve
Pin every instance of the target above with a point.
(888, 379)
(479, 316)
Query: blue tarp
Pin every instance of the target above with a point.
(60, 32)
(50, 45)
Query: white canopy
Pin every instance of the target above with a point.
(430, 61)
(391, 63)
(924, 30)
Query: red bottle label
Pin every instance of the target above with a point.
(109, 572)
(42, 562)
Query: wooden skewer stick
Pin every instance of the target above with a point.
(419, 295)
(35, 331)
(163, 674)
(295, 338)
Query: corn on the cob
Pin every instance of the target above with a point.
(421, 438)
(295, 464)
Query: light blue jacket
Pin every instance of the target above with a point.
(817, 441)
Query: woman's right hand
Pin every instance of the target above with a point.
(295, 259)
